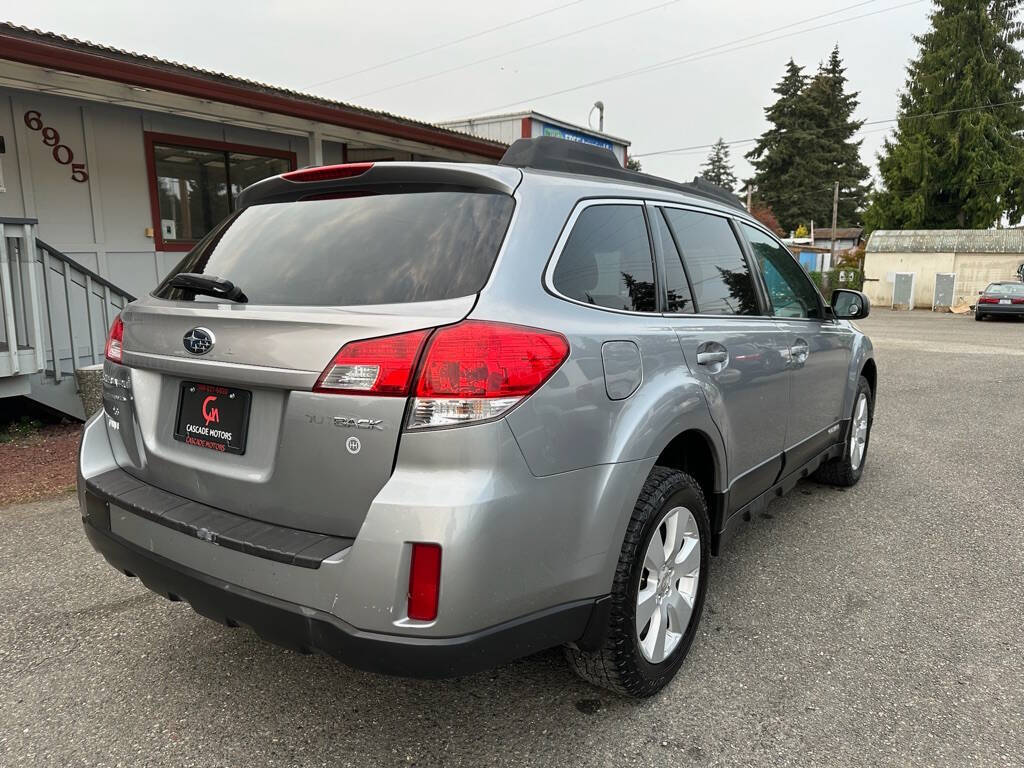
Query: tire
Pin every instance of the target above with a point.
(978, 316)
(847, 469)
(628, 661)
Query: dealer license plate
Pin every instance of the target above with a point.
(213, 417)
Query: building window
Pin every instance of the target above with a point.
(195, 183)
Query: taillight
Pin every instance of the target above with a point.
(424, 582)
(478, 370)
(471, 371)
(988, 300)
(328, 172)
(1018, 301)
(115, 340)
(382, 366)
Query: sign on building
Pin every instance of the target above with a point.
(580, 138)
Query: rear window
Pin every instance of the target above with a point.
(366, 249)
(1011, 288)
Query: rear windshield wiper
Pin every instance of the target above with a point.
(208, 285)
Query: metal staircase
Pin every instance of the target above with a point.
(54, 317)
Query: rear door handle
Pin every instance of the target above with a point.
(712, 358)
(799, 351)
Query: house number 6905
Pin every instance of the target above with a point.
(61, 152)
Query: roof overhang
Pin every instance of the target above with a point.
(33, 64)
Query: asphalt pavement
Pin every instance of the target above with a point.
(881, 625)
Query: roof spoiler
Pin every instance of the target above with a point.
(549, 153)
(313, 181)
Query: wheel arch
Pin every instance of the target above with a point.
(695, 452)
(870, 372)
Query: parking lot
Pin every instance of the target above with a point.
(876, 626)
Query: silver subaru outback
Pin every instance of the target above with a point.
(431, 417)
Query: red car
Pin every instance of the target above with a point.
(1002, 298)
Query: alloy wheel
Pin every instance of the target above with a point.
(859, 432)
(668, 584)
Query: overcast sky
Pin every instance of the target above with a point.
(722, 92)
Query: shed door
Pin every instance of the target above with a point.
(944, 282)
(903, 290)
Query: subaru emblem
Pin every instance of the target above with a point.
(198, 341)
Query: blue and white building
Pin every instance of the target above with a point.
(506, 128)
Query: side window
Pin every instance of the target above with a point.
(721, 279)
(789, 289)
(607, 260)
(677, 287)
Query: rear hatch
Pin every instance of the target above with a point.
(1003, 294)
(226, 405)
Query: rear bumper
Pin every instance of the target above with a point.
(1000, 309)
(308, 630)
(525, 559)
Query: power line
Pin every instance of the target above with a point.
(682, 151)
(518, 50)
(450, 43)
(948, 112)
(697, 149)
(714, 50)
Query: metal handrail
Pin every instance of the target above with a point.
(84, 270)
(9, 297)
(29, 309)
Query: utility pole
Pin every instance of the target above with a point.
(750, 193)
(835, 219)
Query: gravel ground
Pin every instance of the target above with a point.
(877, 626)
(39, 465)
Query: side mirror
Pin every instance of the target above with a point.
(850, 305)
(980, 293)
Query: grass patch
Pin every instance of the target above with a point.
(20, 429)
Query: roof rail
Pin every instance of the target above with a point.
(550, 153)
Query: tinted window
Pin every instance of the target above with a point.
(607, 260)
(789, 289)
(677, 287)
(371, 249)
(721, 280)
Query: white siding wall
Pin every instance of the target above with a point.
(506, 130)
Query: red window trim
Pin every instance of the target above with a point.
(175, 140)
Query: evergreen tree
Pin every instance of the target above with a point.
(838, 154)
(956, 159)
(633, 164)
(788, 172)
(718, 168)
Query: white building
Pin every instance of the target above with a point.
(938, 267)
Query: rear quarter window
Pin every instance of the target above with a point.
(358, 249)
(607, 261)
